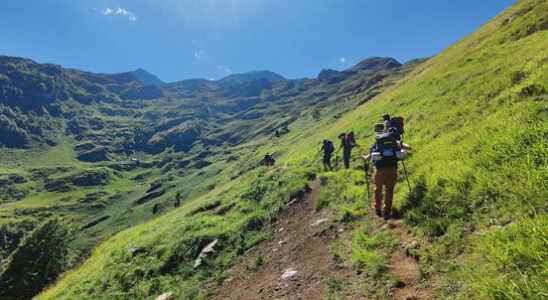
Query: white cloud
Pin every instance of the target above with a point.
(199, 54)
(119, 12)
(342, 60)
(226, 70)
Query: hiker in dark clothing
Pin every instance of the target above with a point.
(156, 209)
(385, 154)
(328, 149)
(268, 160)
(347, 143)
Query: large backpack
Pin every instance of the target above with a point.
(387, 147)
(396, 127)
(349, 140)
(328, 147)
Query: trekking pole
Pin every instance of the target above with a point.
(405, 169)
(406, 176)
(366, 169)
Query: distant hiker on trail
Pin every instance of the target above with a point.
(177, 202)
(268, 160)
(347, 143)
(328, 149)
(156, 209)
(385, 154)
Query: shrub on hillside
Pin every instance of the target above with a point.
(37, 262)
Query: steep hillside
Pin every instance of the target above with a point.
(104, 164)
(476, 117)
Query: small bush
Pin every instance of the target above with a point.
(37, 262)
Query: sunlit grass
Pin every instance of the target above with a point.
(479, 161)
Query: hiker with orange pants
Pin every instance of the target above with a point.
(385, 154)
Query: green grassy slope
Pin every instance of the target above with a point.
(96, 209)
(476, 115)
(124, 127)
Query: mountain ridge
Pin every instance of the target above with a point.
(182, 175)
(146, 77)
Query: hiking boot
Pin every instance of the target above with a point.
(378, 212)
(387, 215)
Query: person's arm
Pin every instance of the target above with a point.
(368, 156)
(405, 146)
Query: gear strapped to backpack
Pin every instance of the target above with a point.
(395, 125)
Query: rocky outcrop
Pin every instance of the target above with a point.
(57, 185)
(86, 178)
(376, 64)
(331, 76)
(206, 251)
(11, 179)
(8, 189)
(165, 296)
(180, 138)
(146, 198)
(91, 178)
(147, 78)
(94, 222)
(146, 92)
(90, 152)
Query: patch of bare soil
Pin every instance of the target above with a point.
(300, 250)
(405, 267)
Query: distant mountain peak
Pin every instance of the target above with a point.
(376, 64)
(146, 77)
(252, 76)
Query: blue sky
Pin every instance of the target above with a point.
(180, 39)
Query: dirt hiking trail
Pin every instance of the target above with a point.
(298, 262)
(404, 265)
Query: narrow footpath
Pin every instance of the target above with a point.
(298, 261)
(404, 265)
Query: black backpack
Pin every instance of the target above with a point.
(396, 127)
(387, 146)
(328, 147)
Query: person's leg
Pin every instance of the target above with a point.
(379, 178)
(328, 161)
(346, 158)
(389, 181)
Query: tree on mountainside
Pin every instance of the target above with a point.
(37, 262)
